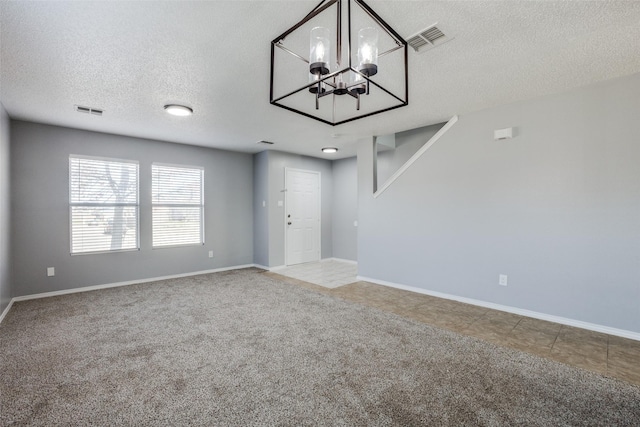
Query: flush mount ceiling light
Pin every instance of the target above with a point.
(178, 110)
(329, 150)
(336, 70)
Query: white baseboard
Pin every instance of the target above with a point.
(520, 311)
(263, 267)
(347, 261)
(6, 310)
(280, 267)
(118, 284)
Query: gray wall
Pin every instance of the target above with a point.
(407, 144)
(5, 226)
(277, 162)
(260, 212)
(345, 208)
(40, 210)
(556, 208)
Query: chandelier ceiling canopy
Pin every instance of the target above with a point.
(336, 70)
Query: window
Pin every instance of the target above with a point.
(178, 205)
(103, 204)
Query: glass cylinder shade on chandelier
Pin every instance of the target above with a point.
(320, 51)
(368, 51)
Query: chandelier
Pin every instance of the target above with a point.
(338, 71)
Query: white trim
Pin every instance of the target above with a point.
(102, 158)
(276, 268)
(346, 261)
(118, 284)
(175, 165)
(520, 311)
(417, 155)
(284, 213)
(6, 310)
(127, 283)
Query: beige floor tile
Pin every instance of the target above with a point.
(624, 349)
(622, 357)
(578, 361)
(631, 375)
(470, 310)
(494, 326)
(587, 355)
(530, 324)
(624, 364)
(570, 333)
(502, 316)
(591, 348)
(525, 335)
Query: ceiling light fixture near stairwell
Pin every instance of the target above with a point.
(329, 150)
(178, 110)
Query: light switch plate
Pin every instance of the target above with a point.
(51, 271)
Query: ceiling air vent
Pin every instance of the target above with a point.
(428, 38)
(89, 110)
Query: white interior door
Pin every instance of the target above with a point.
(302, 216)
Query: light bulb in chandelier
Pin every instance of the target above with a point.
(319, 51)
(368, 51)
(341, 86)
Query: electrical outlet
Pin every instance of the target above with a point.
(210, 254)
(51, 271)
(502, 280)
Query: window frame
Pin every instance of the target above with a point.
(94, 204)
(179, 205)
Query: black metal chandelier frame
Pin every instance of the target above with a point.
(354, 90)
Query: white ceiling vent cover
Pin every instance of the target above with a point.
(428, 38)
(88, 110)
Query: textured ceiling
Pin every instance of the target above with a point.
(131, 58)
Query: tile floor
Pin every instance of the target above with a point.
(329, 274)
(606, 354)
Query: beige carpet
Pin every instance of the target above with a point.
(240, 348)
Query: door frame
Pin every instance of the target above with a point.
(284, 213)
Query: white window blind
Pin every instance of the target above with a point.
(178, 205)
(103, 204)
